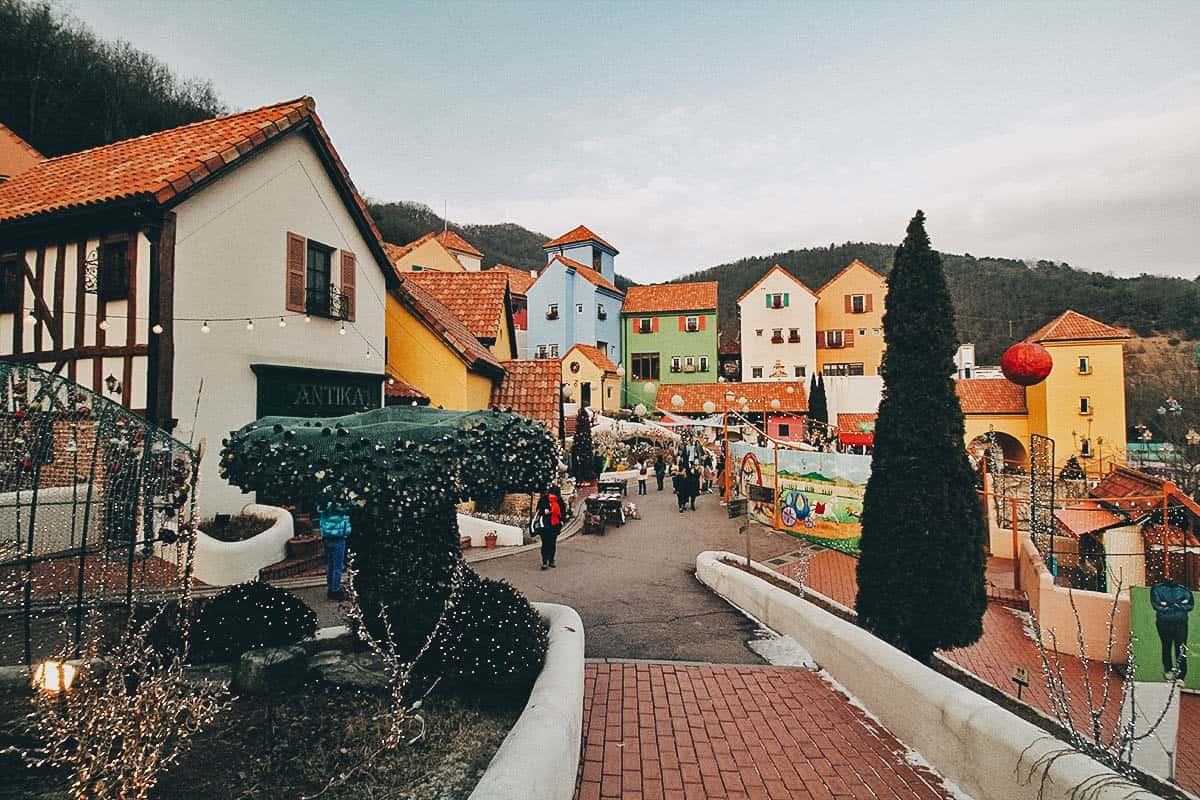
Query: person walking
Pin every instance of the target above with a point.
(1172, 604)
(643, 474)
(679, 483)
(334, 522)
(693, 485)
(660, 470)
(550, 514)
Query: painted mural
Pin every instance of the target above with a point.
(819, 495)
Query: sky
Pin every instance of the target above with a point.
(692, 134)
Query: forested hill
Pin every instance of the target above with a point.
(992, 296)
(63, 89)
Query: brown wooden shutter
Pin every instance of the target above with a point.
(820, 340)
(849, 304)
(848, 338)
(295, 273)
(348, 264)
(870, 305)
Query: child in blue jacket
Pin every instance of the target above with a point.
(335, 527)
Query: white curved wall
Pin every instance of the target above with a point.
(477, 529)
(220, 563)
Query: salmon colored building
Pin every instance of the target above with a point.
(849, 312)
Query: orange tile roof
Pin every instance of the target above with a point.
(579, 234)
(990, 396)
(1071, 326)
(452, 241)
(398, 251)
(1172, 536)
(856, 423)
(403, 390)
(1085, 516)
(588, 274)
(532, 388)
(850, 266)
(1144, 491)
(519, 280)
(16, 154)
(476, 298)
(696, 394)
(698, 296)
(449, 328)
(594, 355)
(769, 273)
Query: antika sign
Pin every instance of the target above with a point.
(297, 392)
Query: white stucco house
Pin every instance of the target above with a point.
(203, 276)
(778, 328)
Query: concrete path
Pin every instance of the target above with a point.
(635, 589)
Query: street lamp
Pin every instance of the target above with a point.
(677, 401)
(729, 397)
(620, 370)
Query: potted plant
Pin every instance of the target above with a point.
(489, 540)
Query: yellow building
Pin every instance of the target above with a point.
(592, 378)
(481, 301)
(849, 312)
(432, 356)
(1081, 405)
(441, 251)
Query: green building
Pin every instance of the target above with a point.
(668, 337)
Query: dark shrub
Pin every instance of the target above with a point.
(247, 616)
(492, 635)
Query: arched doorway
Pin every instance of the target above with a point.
(1011, 453)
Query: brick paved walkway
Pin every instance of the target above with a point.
(1005, 645)
(662, 731)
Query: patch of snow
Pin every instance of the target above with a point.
(915, 759)
(1026, 622)
(852, 700)
(781, 651)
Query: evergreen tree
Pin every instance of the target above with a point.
(583, 455)
(921, 573)
(818, 406)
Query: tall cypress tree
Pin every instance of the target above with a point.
(921, 573)
(818, 407)
(583, 455)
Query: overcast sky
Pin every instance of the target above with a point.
(690, 134)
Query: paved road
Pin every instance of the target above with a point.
(635, 589)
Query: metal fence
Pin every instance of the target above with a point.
(97, 511)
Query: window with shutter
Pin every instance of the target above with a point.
(294, 289)
(349, 263)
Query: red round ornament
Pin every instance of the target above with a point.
(1026, 363)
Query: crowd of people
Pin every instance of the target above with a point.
(693, 468)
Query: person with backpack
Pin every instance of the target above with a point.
(549, 521)
(334, 522)
(643, 474)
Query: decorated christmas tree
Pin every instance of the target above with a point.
(921, 573)
(401, 471)
(583, 454)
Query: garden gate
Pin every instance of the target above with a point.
(97, 511)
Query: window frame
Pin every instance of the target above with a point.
(703, 364)
(799, 370)
(691, 324)
(644, 366)
(676, 364)
(12, 283)
(554, 350)
(1085, 448)
(838, 336)
(775, 300)
(756, 372)
(1085, 405)
(552, 311)
(1085, 365)
(108, 289)
(858, 304)
(645, 325)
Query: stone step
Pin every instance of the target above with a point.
(304, 547)
(292, 567)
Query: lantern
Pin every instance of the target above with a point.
(640, 409)
(709, 406)
(775, 403)
(1026, 363)
(677, 400)
(650, 388)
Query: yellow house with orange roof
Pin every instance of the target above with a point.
(591, 378)
(849, 316)
(1080, 405)
(439, 251)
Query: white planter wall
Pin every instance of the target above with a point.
(220, 563)
(507, 535)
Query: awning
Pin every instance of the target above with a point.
(846, 437)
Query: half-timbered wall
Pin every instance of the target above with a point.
(75, 333)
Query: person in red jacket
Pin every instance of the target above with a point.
(550, 515)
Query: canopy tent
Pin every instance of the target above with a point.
(628, 429)
(670, 420)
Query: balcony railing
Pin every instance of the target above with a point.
(776, 340)
(327, 302)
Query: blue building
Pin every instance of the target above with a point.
(575, 300)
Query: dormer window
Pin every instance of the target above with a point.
(597, 259)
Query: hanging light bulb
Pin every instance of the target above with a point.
(157, 328)
(368, 353)
(103, 323)
(342, 330)
(282, 324)
(249, 324)
(307, 318)
(391, 381)
(204, 328)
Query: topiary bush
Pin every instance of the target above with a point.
(247, 616)
(402, 470)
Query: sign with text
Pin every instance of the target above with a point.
(298, 392)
